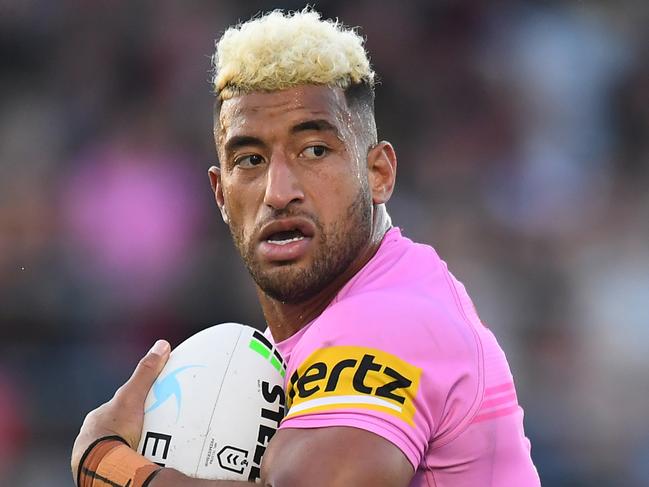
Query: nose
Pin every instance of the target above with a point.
(282, 183)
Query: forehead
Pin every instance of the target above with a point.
(260, 111)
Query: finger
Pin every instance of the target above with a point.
(145, 374)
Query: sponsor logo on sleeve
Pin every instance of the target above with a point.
(347, 377)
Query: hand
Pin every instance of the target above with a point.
(123, 415)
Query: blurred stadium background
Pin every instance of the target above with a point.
(522, 130)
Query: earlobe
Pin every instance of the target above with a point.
(382, 170)
(214, 174)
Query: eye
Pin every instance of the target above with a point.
(252, 160)
(315, 152)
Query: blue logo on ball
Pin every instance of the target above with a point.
(168, 386)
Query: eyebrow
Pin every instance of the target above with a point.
(239, 141)
(320, 125)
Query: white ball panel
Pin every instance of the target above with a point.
(231, 401)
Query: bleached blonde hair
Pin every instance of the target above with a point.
(280, 50)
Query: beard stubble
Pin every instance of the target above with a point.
(339, 245)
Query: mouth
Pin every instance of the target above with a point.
(286, 239)
(282, 232)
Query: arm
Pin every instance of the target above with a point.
(322, 457)
(334, 456)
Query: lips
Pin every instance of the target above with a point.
(286, 239)
(286, 230)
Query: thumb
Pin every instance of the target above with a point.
(137, 387)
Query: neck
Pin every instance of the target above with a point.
(286, 319)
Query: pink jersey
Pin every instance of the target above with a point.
(402, 353)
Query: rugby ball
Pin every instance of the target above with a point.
(216, 404)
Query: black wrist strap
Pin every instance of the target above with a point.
(151, 477)
(89, 449)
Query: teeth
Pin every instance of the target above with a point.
(287, 241)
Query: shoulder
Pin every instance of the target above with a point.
(401, 332)
(406, 302)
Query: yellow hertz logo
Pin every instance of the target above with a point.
(354, 377)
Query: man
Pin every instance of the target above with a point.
(392, 379)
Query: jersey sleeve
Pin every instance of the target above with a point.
(407, 371)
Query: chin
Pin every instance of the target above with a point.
(290, 282)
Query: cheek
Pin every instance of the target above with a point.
(241, 202)
(334, 192)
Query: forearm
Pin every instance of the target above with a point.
(110, 460)
(168, 477)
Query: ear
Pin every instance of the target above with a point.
(382, 171)
(215, 181)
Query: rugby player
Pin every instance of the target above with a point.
(392, 378)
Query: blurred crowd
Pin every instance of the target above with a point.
(522, 131)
